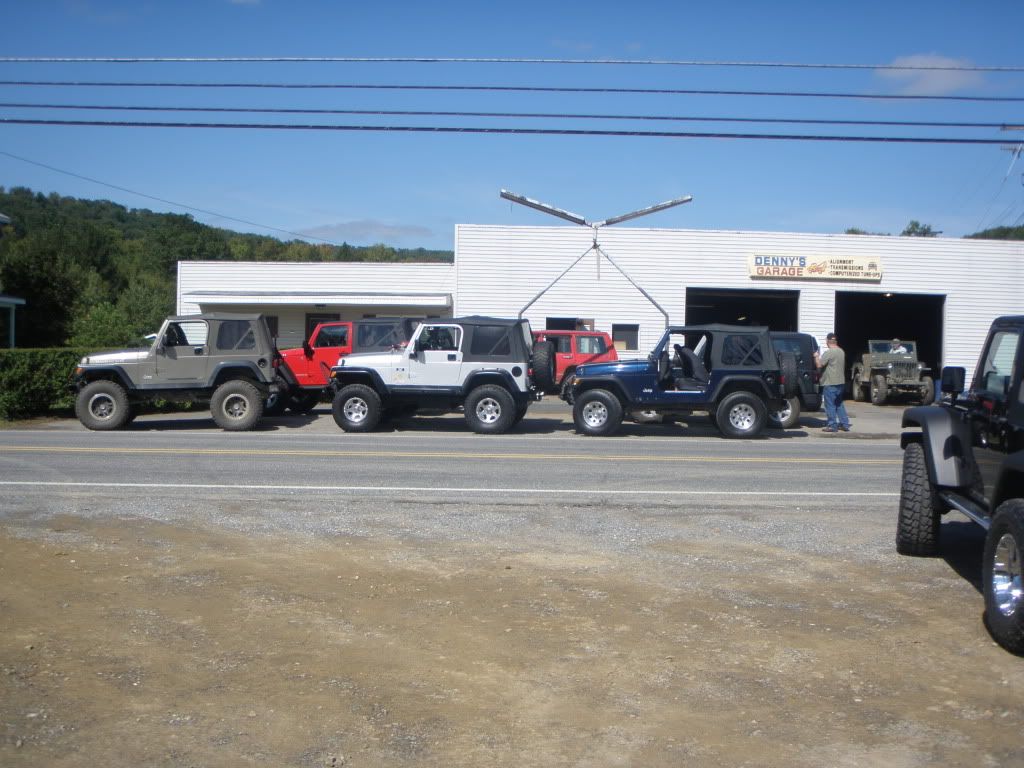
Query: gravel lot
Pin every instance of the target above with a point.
(379, 627)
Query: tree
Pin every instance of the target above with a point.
(917, 229)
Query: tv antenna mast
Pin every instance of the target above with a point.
(595, 226)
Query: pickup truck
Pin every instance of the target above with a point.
(312, 362)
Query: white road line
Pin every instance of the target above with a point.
(435, 489)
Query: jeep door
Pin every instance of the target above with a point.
(996, 391)
(331, 342)
(435, 357)
(183, 355)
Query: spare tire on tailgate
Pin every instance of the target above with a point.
(543, 364)
(790, 374)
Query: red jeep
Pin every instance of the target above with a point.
(572, 349)
(312, 362)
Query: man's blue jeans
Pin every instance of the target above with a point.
(835, 411)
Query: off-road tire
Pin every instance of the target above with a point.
(102, 406)
(520, 414)
(1001, 576)
(566, 387)
(357, 408)
(236, 406)
(741, 414)
(788, 417)
(544, 365)
(879, 389)
(927, 390)
(303, 403)
(857, 388)
(597, 412)
(919, 519)
(490, 409)
(790, 374)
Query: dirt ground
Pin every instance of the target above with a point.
(127, 642)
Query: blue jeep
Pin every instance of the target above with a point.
(731, 371)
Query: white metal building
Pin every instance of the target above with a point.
(940, 292)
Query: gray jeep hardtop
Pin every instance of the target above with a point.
(227, 359)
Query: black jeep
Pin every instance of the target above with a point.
(731, 371)
(808, 397)
(967, 454)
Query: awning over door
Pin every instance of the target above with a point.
(331, 298)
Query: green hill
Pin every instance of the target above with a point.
(96, 273)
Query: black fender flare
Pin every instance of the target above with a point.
(946, 440)
(742, 382)
(343, 375)
(610, 383)
(476, 378)
(1010, 484)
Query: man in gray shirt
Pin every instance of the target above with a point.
(833, 382)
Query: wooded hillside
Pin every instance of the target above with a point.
(95, 273)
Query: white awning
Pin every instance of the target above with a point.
(331, 298)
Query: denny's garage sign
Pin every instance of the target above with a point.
(856, 268)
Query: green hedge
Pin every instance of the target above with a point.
(35, 381)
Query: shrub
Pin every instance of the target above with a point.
(34, 381)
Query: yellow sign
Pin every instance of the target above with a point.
(865, 269)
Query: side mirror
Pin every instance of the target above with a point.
(953, 377)
(306, 348)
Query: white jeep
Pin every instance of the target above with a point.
(480, 364)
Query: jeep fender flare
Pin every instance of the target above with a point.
(344, 375)
(224, 371)
(492, 376)
(753, 384)
(946, 441)
(611, 383)
(109, 373)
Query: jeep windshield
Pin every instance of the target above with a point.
(888, 347)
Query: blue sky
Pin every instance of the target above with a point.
(411, 189)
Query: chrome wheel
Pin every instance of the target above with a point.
(1007, 584)
(102, 406)
(488, 410)
(595, 414)
(356, 410)
(236, 406)
(742, 417)
(782, 415)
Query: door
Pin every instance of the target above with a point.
(184, 356)
(435, 359)
(995, 385)
(331, 342)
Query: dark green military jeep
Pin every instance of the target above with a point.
(891, 367)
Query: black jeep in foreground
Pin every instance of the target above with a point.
(967, 454)
(731, 371)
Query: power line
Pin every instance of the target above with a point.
(518, 131)
(511, 88)
(545, 115)
(163, 200)
(485, 60)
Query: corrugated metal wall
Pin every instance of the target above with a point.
(499, 269)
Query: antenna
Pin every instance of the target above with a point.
(575, 218)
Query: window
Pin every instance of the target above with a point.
(271, 325)
(313, 319)
(444, 338)
(376, 336)
(490, 340)
(563, 344)
(186, 334)
(741, 350)
(332, 336)
(997, 369)
(626, 336)
(591, 345)
(235, 334)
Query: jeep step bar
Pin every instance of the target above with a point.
(967, 507)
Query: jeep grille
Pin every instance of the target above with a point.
(904, 370)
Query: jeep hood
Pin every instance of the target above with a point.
(619, 367)
(371, 359)
(116, 356)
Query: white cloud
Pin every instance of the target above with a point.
(370, 231)
(935, 82)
